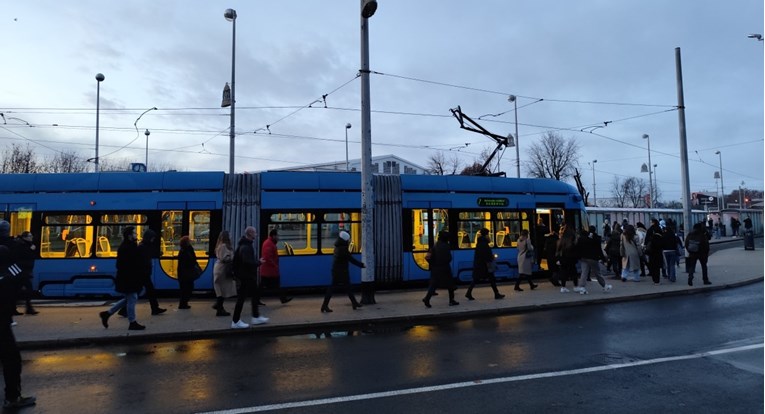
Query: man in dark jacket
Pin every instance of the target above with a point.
(697, 245)
(654, 250)
(10, 357)
(341, 275)
(148, 249)
(440, 259)
(484, 266)
(246, 272)
(129, 280)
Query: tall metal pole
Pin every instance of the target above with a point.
(517, 146)
(367, 191)
(230, 15)
(655, 183)
(347, 165)
(722, 185)
(146, 160)
(99, 79)
(594, 192)
(650, 173)
(740, 199)
(685, 178)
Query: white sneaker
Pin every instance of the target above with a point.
(260, 320)
(564, 290)
(607, 288)
(578, 289)
(583, 291)
(14, 323)
(239, 325)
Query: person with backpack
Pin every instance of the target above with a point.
(697, 245)
(654, 249)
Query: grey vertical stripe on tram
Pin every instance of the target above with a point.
(387, 228)
(241, 204)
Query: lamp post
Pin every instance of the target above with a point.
(722, 183)
(146, 160)
(368, 8)
(230, 15)
(655, 183)
(594, 192)
(650, 173)
(99, 78)
(740, 198)
(513, 99)
(347, 127)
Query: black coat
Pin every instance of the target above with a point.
(701, 237)
(188, 268)
(653, 240)
(481, 258)
(441, 265)
(245, 263)
(341, 262)
(25, 257)
(129, 270)
(589, 246)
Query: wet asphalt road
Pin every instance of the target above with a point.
(197, 376)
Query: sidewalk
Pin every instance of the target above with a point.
(78, 324)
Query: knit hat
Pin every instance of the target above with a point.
(345, 236)
(662, 223)
(5, 228)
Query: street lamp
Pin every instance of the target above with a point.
(99, 78)
(146, 160)
(513, 99)
(655, 182)
(347, 127)
(722, 183)
(755, 36)
(368, 8)
(650, 173)
(594, 192)
(230, 15)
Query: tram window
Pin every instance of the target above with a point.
(508, 226)
(69, 236)
(468, 226)
(110, 232)
(297, 233)
(20, 222)
(171, 233)
(199, 232)
(333, 224)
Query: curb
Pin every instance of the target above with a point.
(321, 327)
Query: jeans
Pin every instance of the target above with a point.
(590, 267)
(129, 300)
(670, 262)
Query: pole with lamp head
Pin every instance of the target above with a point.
(514, 100)
(99, 78)
(347, 165)
(722, 184)
(650, 173)
(230, 15)
(146, 159)
(594, 192)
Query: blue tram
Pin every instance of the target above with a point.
(77, 221)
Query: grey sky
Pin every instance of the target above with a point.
(177, 54)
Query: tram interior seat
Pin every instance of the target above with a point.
(104, 247)
(464, 240)
(288, 248)
(352, 247)
(77, 247)
(500, 238)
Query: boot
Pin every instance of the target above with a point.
(517, 287)
(221, 311)
(426, 299)
(135, 326)
(497, 295)
(218, 303)
(285, 299)
(469, 294)
(356, 304)
(325, 305)
(452, 302)
(690, 279)
(31, 310)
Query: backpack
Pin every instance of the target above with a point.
(693, 246)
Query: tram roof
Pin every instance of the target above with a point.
(111, 181)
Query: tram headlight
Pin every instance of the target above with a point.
(93, 268)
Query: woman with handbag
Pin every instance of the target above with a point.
(223, 275)
(484, 266)
(188, 271)
(525, 260)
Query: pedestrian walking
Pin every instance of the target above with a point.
(129, 279)
(188, 271)
(541, 231)
(484, 266)
(10, 357)
(734, 225)
(591, 254)
(697, 245)
(440, 260)
(640, 232)
(341, 275)
(246, 272)
(525, 260)
(223, 273)
(269, 270)
(25, 251)
(629, 251)
(670, 243)
(551, 244)
(653, 248)
(148, 248)
(567, 257)
(612, 249)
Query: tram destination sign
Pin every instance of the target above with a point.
(493, 202)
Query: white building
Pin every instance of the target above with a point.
(384, 164)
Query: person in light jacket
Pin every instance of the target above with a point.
(525, 260)
(223, 273)
(630, 255)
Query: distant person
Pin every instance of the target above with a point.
(734, 225)
(654, 249)
(525, 261)
(697, 245)
(188, 271)
(640, 232)
(670, 243)
(269, 270)
(717, 230)
(612, 249)
(606, 230)
(440, 259)
(341, 275)
(223, 273)
(747, 223)
(589, 247)
(630, 254)
(484, 266)
(129, 279)
(567, 257)
(10, 357)
(25, 252)
(246, 272)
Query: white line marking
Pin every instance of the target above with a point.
(375, 395)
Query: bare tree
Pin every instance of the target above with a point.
(635, 190)
(64, 162)
(18, 160)
(553, 156)
(477, 167)
(440, 164)
(618, 193)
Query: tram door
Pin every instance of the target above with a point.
(547, 220)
